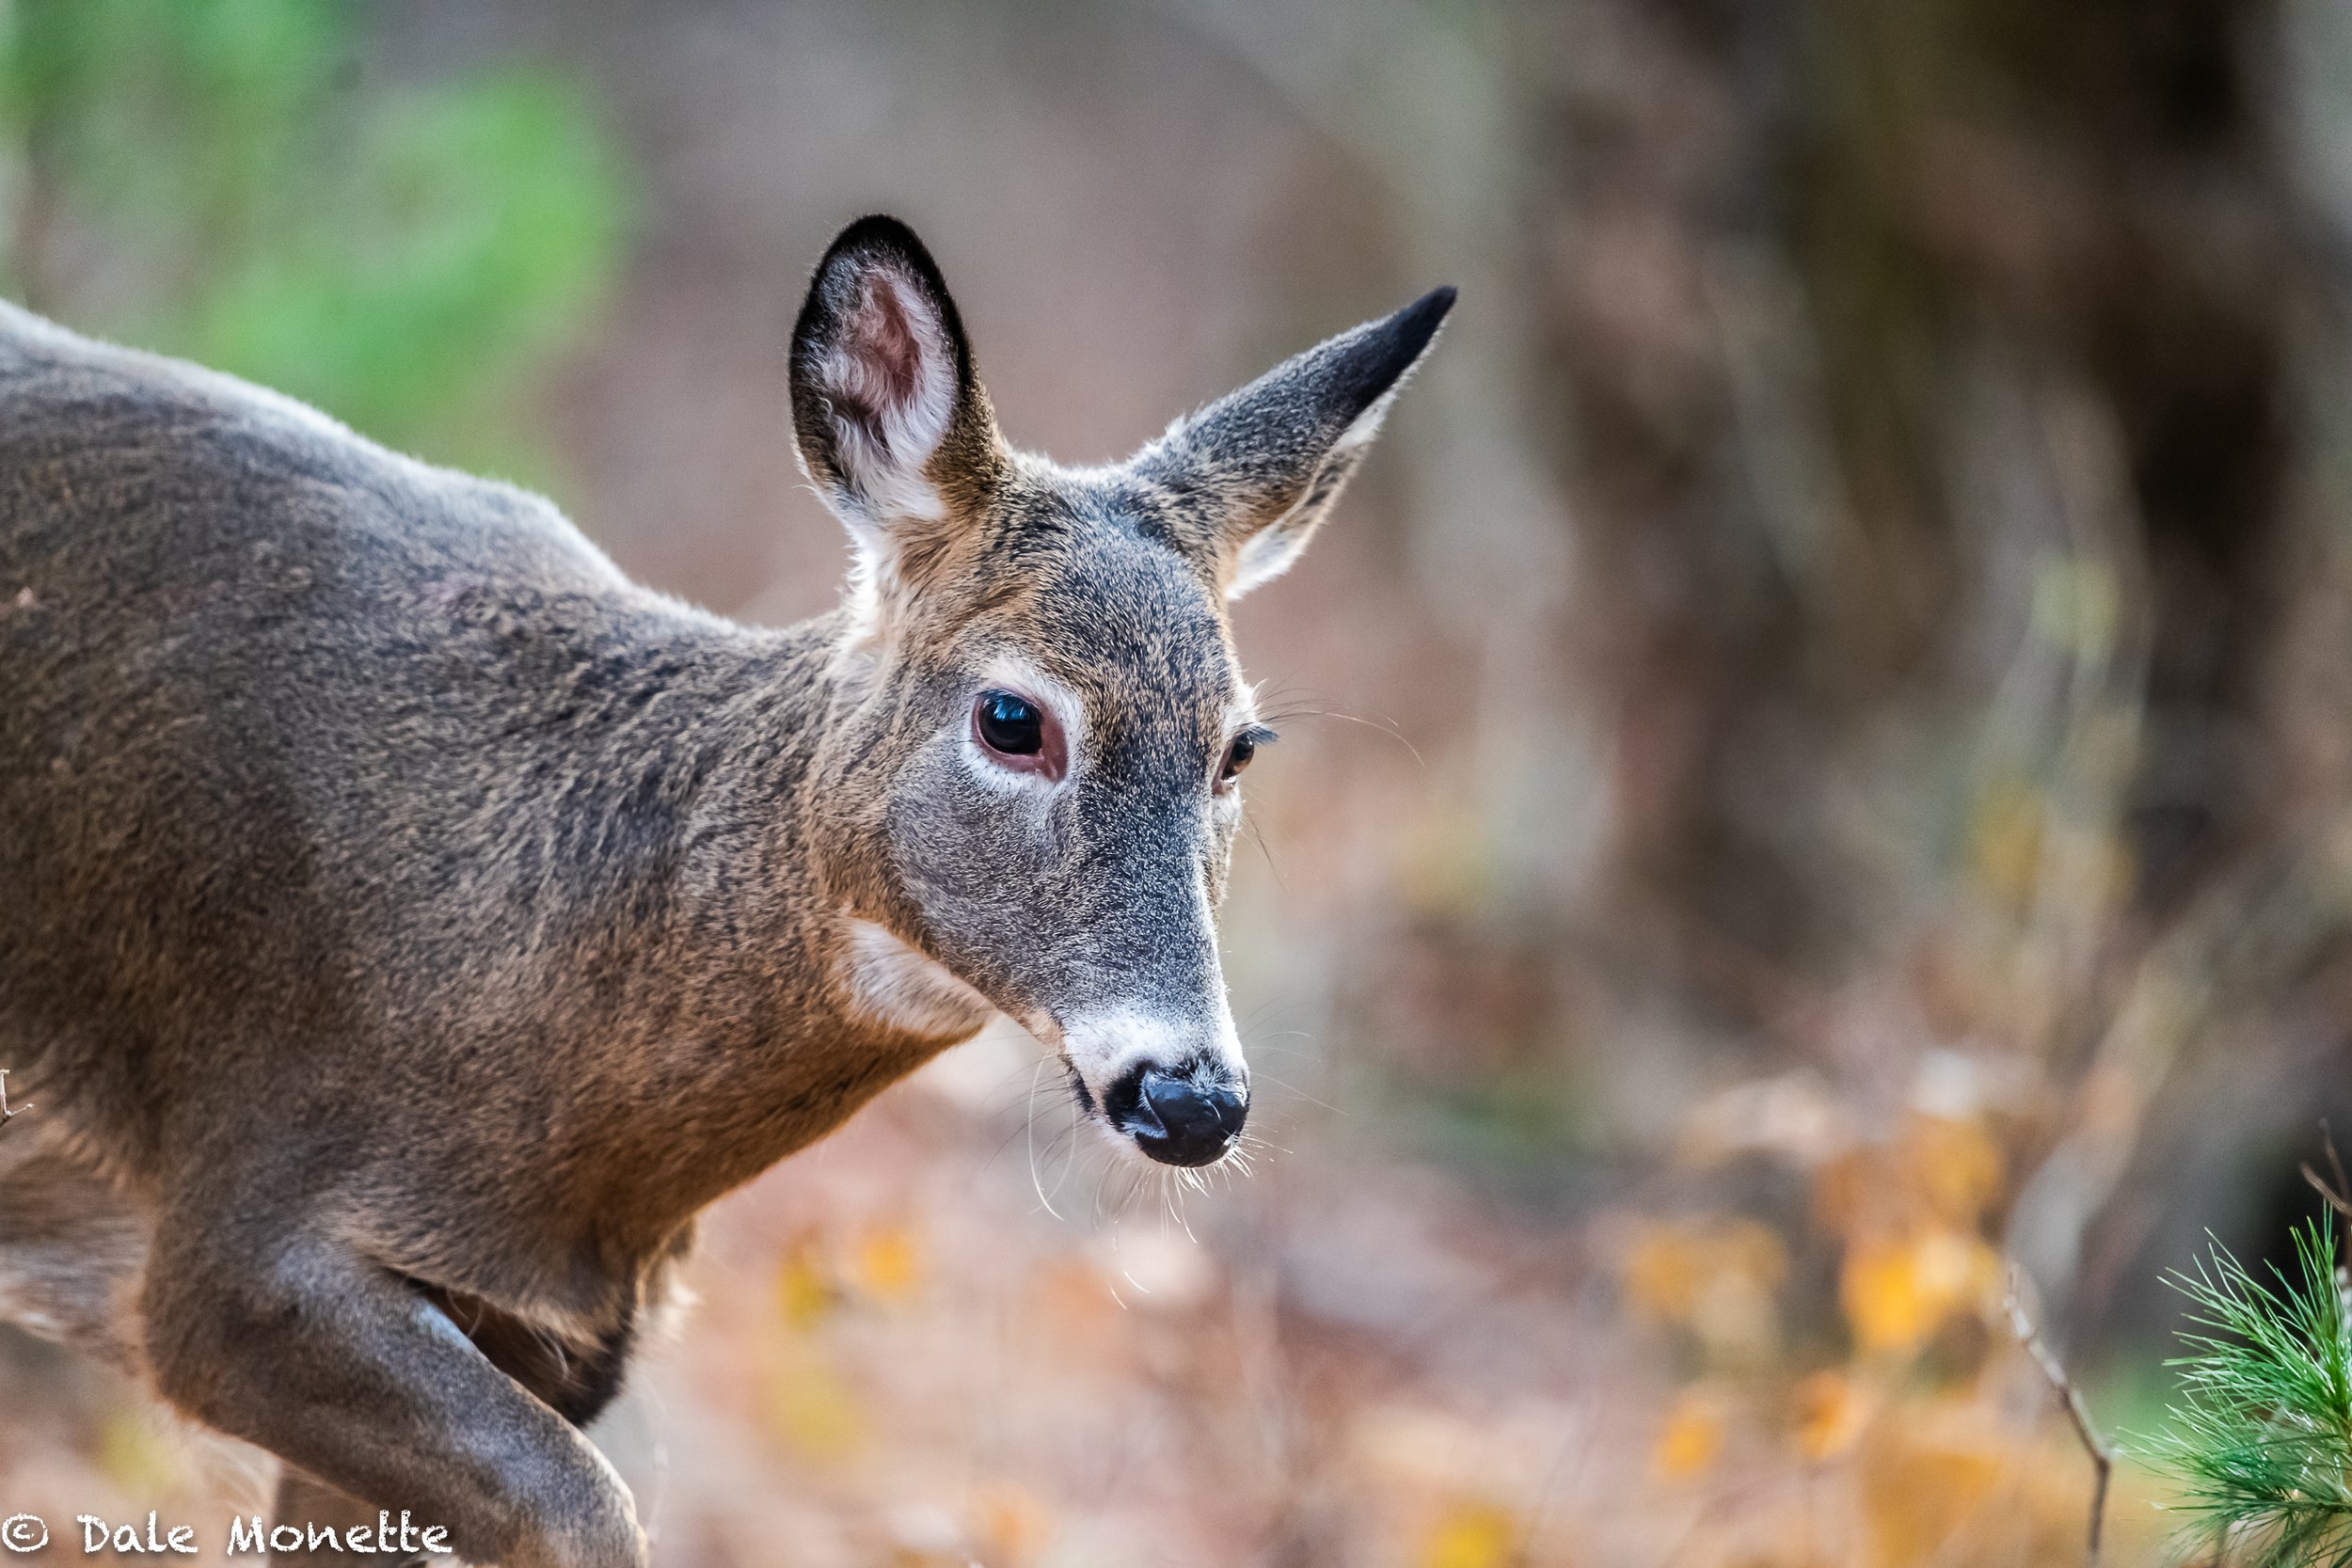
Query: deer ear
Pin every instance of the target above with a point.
(1270, 459)
(893, 427)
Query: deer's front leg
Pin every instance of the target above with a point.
(289, 1341)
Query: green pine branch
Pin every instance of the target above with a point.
(2261, 1440)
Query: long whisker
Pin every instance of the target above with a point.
(1265, 851)
(1029, 1121)
(1037, 1182)
(1071, 1159)
(1389, 727)
(1287, 1085)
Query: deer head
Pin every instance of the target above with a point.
(1026, 794)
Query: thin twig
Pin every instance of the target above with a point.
(2102, 1457)
(8, 1116)
(2339, 1197)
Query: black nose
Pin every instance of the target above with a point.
(1177, 1118)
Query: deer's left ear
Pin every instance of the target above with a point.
(1266, 462)
(892, 423)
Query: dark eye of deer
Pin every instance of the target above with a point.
(1010, 726)
(1238, 752)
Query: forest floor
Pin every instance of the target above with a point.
(952, 1334)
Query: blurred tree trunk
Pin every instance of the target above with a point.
(2096, 192)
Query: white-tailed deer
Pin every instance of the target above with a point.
(407, 924)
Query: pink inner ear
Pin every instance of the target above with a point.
(886, 349)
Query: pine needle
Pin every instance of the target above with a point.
(2261, 1441)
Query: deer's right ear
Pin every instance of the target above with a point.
(892, 424)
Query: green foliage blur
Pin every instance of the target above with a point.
(2261, 1442)
(219, 179)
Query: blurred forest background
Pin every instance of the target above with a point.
(1817, 758)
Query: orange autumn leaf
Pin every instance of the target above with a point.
(1012, 1522)
(1715, 1279)
(815, 1410)
(1691, 1437)
(1952, 1165)
(1927, 1477)
(1472, 1535)
(1662, 1270)
(1670, 1268)
(888, 1262)
(1831, 1412)
(804, 1293)
(1898, 1292)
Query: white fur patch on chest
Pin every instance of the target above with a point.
(890, 983)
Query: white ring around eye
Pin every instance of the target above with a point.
(1050, 761)
(1058, 706)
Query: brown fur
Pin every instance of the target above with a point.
(411, 924)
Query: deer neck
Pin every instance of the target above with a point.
(763, 1012)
